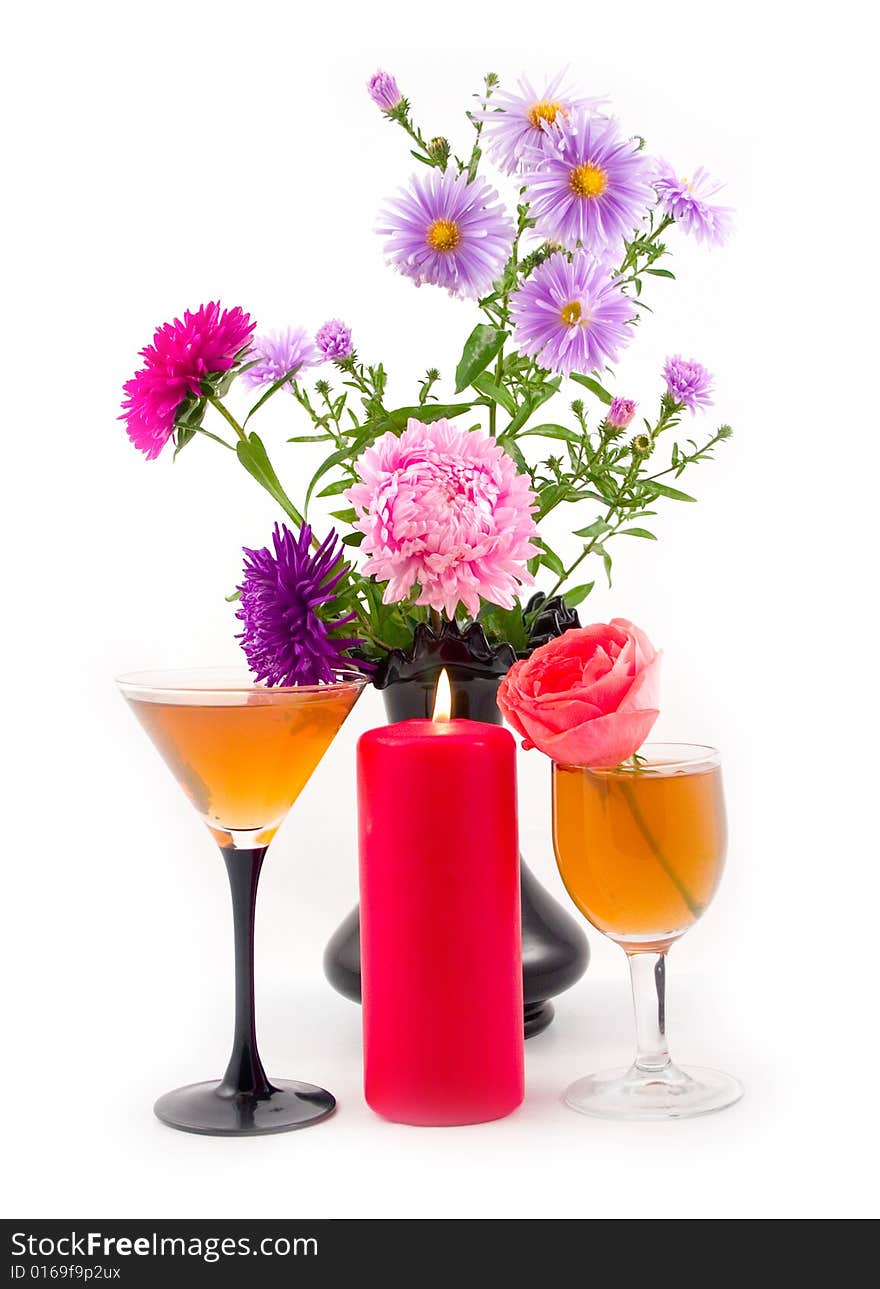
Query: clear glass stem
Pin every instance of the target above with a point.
(648, 974)
(244, 1073)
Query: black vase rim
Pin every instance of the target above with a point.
(454, 647)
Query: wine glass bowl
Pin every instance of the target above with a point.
(641, 848)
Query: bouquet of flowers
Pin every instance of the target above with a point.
(443, 502)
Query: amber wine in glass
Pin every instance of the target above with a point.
(242, 753)
(640, 849)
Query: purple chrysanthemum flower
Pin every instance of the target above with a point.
(334, 340)
(593, 189)
(382, 88)
(278, 354)
(286, 597)
(571, 316)
(515, 125)
(688, 382)
(445, 231)
(620, 413)
(687, 202)
(182, 354)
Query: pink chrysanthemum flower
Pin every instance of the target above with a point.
(620, 413)
(517, 124)
(688, 382)
(278, 354)
(446, 231)
(445, 510)
(182, 354)
(383, 90)
(687, 202)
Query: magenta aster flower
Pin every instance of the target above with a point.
(286, 608)
(593, 188)
(382, 88)
(620, 413)
(445, 231)
(517, 124)
(687, 202)
(571, 316)
(688, 382)
(182, 355)
(278, 353)
(444, 509)
(334, 340)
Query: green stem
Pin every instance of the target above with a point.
(694, 906)
(227, 416)
(583, 555)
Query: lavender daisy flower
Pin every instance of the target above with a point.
(286, 603)
(517, 124)
(620, 413)
(688, 383)
(687, 202)
(278, 353)
(593, 188)
(445, 231)
(571, 316)
(382, 88)
(334, 340)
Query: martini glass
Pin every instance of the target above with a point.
(242, 753)
(640, 850)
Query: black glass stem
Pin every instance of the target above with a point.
(244, 1073)
(244, 1102)
(555, 949)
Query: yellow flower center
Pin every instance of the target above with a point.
(544, 111)
(443, 235)
(571, 313)
(587, 180)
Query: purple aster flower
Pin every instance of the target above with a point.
(279, 353)
(620, 413)
(383, 90)
(445, 231)
(286, 603)
(517, 124)
(593, 188)
(687, 202)
(688, 382)
(571, 316)
(334, 340)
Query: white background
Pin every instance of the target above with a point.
(158, 156)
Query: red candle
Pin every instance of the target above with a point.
(441, 963)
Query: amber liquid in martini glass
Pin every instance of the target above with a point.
(242, 753)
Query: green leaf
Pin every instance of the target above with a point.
(595, 529)
(252, 456)
(310, 438)
(345, 516)
(504, 624)
(550, 559)
(353, 539)
(665, 491)
(336, 488)
(497, 393)
(273, 389)
(636, 532)
(482, 345)
(553, 432)
(515, 455)
(335, 458)
(577, 594)
(427, 413)
(230, 599)
(659, 272)
(183, 434)
(593, 386)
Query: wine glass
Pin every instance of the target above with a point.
(242, 753)
(640, 848)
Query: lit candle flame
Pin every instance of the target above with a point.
(442, 699)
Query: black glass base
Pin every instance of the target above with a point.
(203, 1108)
(537, 1017)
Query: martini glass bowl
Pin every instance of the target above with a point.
(242, 753)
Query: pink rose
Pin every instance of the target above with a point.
(587, 698)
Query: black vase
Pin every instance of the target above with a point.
(555, 949)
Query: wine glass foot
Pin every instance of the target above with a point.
(203, 1108)
(671, 1093)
